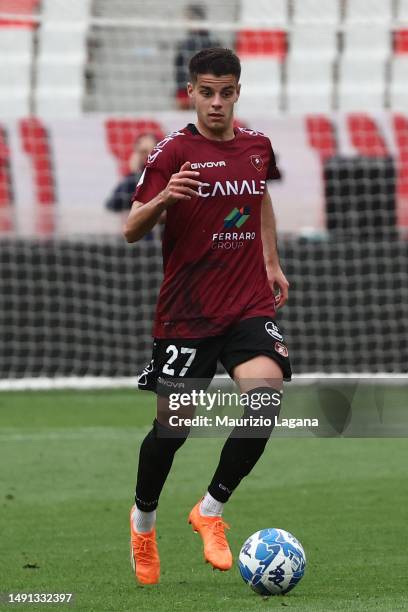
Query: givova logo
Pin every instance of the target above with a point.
(237, 217)
(209, 164)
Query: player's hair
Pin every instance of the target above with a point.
(216, 61)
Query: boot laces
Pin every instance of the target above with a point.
(218, 532)
(144, 549)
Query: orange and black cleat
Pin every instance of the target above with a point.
(212, 530)
(144, 555)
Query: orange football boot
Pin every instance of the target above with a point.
(212, 530)
(144, 555)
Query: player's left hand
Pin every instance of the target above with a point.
(279, 284)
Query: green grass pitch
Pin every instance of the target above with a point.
(68, 463)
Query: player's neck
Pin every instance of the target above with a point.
(227, 134)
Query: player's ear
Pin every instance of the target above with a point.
(238, 90)
(190, 89)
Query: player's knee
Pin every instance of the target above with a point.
(259, 371)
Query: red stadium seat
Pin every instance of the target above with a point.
(401, 42)
(321, 135)
(365, 136)
(262, 53)
(5, 184)
(36, 145)
(34, 137)
(261, 42)
(121, 135)
(22, 7)
(401, 135)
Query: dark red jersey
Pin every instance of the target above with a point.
(214, 271)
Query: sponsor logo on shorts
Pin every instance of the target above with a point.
(281, 349)
(170, 383)
(142, 382)
(273, 330)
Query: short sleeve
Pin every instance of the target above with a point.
(161, 164)
(273, 170)
(151, 182)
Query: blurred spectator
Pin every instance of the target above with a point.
(196, 40)
(119, 201)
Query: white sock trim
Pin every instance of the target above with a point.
(210, 506)
(143, 522)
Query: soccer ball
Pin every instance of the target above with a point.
(272, 561)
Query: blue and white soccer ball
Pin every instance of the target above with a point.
(272, 561)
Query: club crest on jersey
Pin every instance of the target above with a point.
(281, 349)
(257, 162)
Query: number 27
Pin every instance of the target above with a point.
(191, 352)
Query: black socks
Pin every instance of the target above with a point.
(240, 453)
(155, 460)
(245, 444)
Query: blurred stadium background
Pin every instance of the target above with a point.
(327, 81)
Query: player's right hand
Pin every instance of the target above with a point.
(182, 186)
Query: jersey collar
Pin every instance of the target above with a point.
(193, 130)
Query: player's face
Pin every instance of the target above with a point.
(214, 98)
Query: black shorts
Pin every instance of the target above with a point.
(175, 362)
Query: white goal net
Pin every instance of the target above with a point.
(86, 86)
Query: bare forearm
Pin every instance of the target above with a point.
(268, 225)
(277, 279)
(143, 217)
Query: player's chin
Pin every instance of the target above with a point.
(215, 122)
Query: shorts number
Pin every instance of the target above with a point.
(191, 352)
(170, 349)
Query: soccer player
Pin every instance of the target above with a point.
(217, 301)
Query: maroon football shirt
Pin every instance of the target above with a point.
(214, 271)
